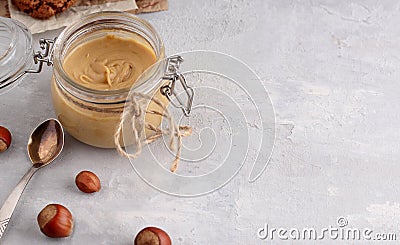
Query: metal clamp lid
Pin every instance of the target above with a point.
(39, 58)
(172, 74)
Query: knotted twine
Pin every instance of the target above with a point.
(135, 111)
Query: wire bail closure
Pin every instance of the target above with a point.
(39, 58)
(172, 75)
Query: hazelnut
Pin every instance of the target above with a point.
(5, 139)
(152, 236)
(55, 221)
(88, 182)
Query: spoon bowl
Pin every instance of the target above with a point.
(45, 144)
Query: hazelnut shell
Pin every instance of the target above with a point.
(88, 182)
(5, 139)
(152, 236)
(56, 221)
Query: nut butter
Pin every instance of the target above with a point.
(96, 63)
(109, 62)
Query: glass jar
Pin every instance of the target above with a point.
(15, 52)
(91, 115)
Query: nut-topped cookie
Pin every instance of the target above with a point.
(43, 9)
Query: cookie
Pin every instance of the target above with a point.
(43, 9)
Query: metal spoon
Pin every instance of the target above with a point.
(44, 145)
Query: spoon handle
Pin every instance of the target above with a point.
(9, 205)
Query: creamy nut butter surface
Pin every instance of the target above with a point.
(109, 62)
(102, 64)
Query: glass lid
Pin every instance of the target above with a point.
(15, 51)
(232, 125)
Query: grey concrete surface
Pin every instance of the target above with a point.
(332, 71)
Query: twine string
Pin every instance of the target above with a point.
(134, 113)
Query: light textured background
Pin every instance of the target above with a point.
(332, 71)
